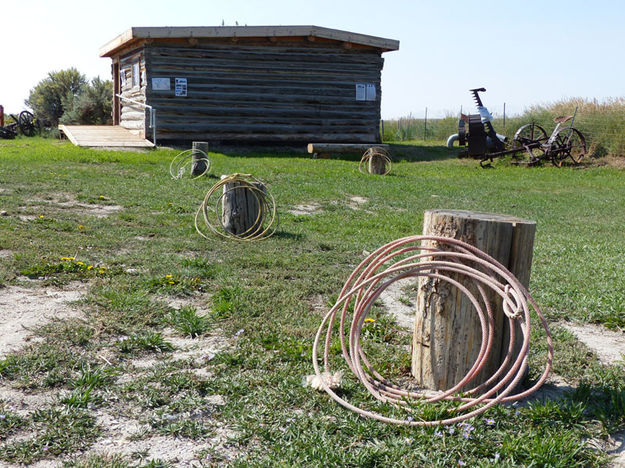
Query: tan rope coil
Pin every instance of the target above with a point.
(211, 208)
(408, 258)
(183, 162)
(373, 153)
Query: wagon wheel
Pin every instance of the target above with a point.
(530, 134)
(568, 146)
(26, 122)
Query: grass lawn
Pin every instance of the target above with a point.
(119, 226)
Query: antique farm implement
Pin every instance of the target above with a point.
(564, 142)
(24, 123)
(476, 131)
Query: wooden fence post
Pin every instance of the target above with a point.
(199, 158)
(377, 164)
(447, 334)
(242, 208)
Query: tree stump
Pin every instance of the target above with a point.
(242, 208)
(199, 163)
(447, 334)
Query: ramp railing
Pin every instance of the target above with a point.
(152, 121)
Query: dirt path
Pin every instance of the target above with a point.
(22, 309)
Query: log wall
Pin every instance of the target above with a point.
(264, 92)
(132, 116)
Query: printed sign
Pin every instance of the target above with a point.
(361, 91)
(181, 86)
(370, 94)
(161, 84)
(365, 92)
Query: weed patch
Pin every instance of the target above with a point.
(55, 432)
(144, 343)
(187, 321)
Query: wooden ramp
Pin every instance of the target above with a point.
(104, 136)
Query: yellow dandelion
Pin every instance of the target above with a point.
(171, 282)
(79, 263)
(80, 226)
(41, 216)
(369, 320)
(89, 267)
(169, 276)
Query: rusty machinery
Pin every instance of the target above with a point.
(24, 123)
(480, 137)
(484, 143)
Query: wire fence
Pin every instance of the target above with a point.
(602, 124)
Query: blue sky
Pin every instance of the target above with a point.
(523, 53)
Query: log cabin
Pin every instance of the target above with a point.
(248, 84)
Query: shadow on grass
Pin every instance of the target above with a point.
(416, 152)
(288, 235)
(435, 151)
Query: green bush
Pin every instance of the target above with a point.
(47, 97)
(93, 105)
(67, 97)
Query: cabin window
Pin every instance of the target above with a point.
(136, 75)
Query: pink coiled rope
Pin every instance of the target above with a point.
(409, 258)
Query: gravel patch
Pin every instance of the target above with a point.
(22, 309)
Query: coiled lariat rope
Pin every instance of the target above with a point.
(409, 258)
(373, 153)
(211, 209)
(182, 161)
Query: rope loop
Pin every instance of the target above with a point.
(512, 305)
(373, 153)
(258, 199)
(439, 259)
(183, 163)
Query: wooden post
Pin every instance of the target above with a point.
(447, 334)
(199, 163)
(242, 213)
(377, 164)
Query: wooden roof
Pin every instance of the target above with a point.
(136, 35)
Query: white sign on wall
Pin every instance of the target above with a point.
(161, 84)
(370, 94)
(181, 86)
(361, 91)
(365, 92)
